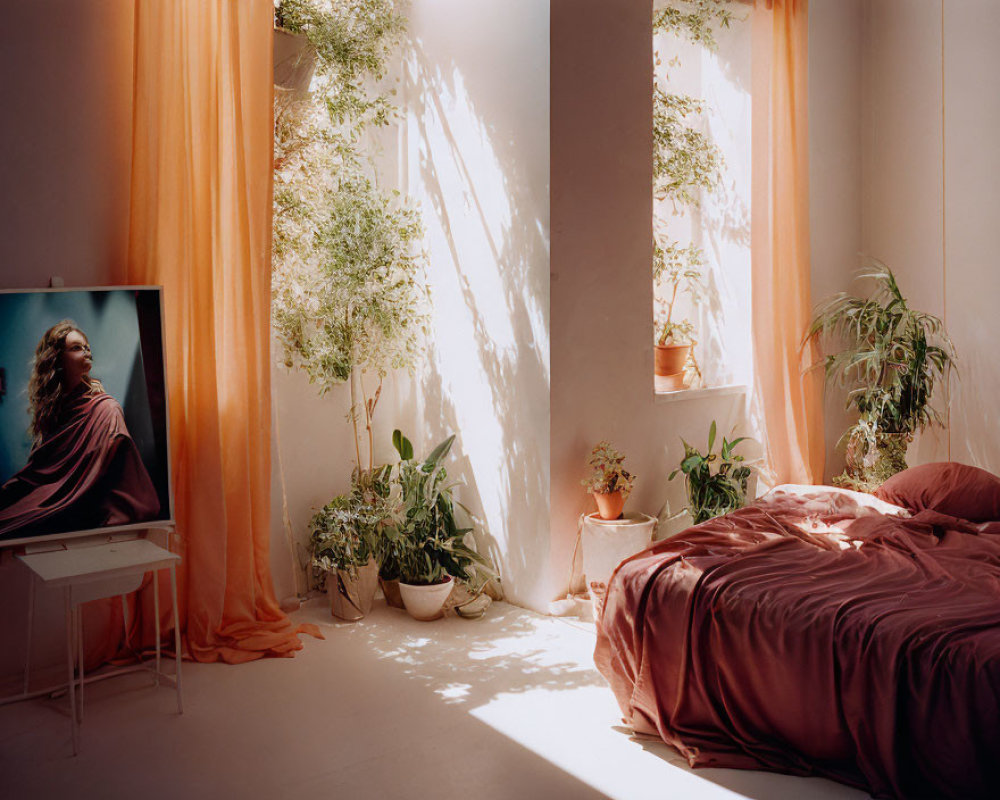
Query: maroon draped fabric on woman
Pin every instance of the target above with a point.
(86, 474)
(812, 634)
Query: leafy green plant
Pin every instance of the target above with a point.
(425, 540)
(890, 358)
(684, 159)
(607, 471)
(679, 269)
(695, 20)
(345, 533)
(685, 163)
(348, 299)
(716, 482)
(353, 40)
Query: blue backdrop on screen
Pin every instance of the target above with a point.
(123, 329)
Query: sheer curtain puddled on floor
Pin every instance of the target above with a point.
(200, 226)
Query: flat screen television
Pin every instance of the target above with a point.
(84, 445)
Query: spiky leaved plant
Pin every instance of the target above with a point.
(891, 357)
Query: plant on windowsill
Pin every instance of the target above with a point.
(891, 358)
(714, 490)
(679, 271)
(609, 481)
(428, 547)
(685, 163)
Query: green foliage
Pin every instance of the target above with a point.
(345, 533)
(425, 544)
(607, 471)
(684, 159)
(714, 491)
(694, 20)
(679, 270)
(685, 162)
(348, 298)
(891, 356)
(360, 305)
(352, 39)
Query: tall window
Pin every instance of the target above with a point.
(701, 193)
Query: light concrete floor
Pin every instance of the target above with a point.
(508, 706)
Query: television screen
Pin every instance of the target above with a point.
(83, 412)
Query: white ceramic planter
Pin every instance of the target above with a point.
(606, 543)
(425, 602)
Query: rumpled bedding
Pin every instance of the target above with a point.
(817, 632)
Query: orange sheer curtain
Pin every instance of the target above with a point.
(200, 227)
(787, 399)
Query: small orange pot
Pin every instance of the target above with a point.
(609, 505)
(669, 359)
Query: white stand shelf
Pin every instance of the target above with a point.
(91, 572)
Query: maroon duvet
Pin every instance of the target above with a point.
(811, 633)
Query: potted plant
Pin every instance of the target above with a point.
(429, 546)
(344, 535)
(714, 490)
(609, 481)
(685, 162)
(677, 270)
(294, 55)
(890, 359)
(348, 295)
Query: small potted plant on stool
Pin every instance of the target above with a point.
(609, 481)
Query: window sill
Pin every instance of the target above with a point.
(700, 394)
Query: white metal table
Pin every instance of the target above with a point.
(92, 572)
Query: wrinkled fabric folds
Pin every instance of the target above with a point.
(200, 227)
(812, 633)
(87, 474)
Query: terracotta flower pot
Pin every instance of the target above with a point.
(610, 504)
(425, 602)
(351, 596)
(669, 359)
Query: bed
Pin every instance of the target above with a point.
(823, 632)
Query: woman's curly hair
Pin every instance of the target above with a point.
(46, 393)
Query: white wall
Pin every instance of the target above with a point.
(930, 192)
(970, 270)
(475, 154)
(835, 186)
(902, 203)
(65, 148)
(601, 149)
(926, 196)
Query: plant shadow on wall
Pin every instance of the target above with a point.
(483, 190)
(701, 215)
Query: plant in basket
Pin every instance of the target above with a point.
(609, 481)
(343, 543)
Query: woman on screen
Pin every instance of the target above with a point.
(84, 470)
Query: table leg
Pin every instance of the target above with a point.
(177, 637)
(156, 624)
(31, 630)
(69, 670)
(128, 642)
(79, 640)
